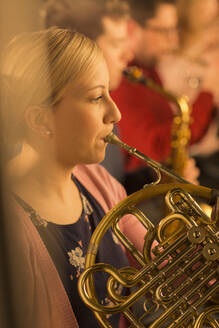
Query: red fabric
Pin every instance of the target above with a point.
(147, 119)
(202, 113)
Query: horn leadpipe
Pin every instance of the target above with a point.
(113, 139)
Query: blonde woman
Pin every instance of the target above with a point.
(56, 104)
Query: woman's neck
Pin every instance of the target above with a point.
(28, 168)
(46, 186)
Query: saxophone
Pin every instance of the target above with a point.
(180, 134)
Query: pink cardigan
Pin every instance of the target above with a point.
(48, 305)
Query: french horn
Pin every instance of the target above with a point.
(178, 269)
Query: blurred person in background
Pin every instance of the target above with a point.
(102, 21)
(147, 117)
(193, 71)
(185, 70)
(106, 22)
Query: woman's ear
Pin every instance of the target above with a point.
(38, 120)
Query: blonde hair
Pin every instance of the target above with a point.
(36, 69)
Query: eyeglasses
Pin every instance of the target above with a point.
(163, 30)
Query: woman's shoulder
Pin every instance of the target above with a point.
(100, 183)
(19, 221)
(95, 173)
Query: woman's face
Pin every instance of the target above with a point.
(160, 33)
(116, 49)
(83, 118)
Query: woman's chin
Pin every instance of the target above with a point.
(96, 158)
(100, 158)
(101, 155)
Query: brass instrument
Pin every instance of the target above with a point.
(175, 283)
(180, 134)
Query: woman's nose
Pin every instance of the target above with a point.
(113, 114)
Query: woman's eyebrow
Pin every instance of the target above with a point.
(96, 87)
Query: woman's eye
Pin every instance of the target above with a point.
(97, 99)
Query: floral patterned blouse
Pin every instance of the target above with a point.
(67, 245)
